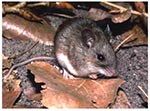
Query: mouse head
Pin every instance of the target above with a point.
(100, 57)
(94, 52)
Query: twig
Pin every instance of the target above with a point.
(122, 9)
(14, 9)
(143, 91)
(28, 49)
(63, 15)
(126, 39)
(39, 4)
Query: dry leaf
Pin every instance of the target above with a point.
(15, 27)
(11, 91)
(19, 106)
(138, 36)
(140, 6)
(6, 62)
(76, 93)
(64, 5)
(97, 14)
(29, 15)
(31, 94)
(144, 19)
(121, 101)
(121, 17)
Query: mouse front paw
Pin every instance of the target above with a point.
(93, 76)
(67, 75)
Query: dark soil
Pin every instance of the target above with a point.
(133, 67)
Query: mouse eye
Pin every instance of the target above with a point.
(100, 57)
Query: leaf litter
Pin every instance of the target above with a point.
(76, 93)
(11, 91)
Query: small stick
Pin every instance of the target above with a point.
(16, 8)
(126, 39)
(39, 4)
(63, 15)
(28, 49)
(143, 91)
(124, 9)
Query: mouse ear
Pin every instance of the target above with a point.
(88, 38)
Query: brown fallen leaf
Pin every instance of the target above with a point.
(144, 20)
(73, 93)
(97, 14)
(20, 9)
(64, 5)
(15, 27)
(138, 36)
(6, 62)
(140, 6)
(11, 91)
(19, 106)
(31, 94)
(121, 101)
(121, 17)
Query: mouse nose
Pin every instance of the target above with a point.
(111, 71)
(108, 71)
(114, 73)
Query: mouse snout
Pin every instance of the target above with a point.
(108, 71)
(111, 71)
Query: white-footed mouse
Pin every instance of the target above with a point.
(82, 50)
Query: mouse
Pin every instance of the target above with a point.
(81, 49)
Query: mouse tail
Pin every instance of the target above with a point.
(26, 62)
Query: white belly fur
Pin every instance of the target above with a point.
(63, 59)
